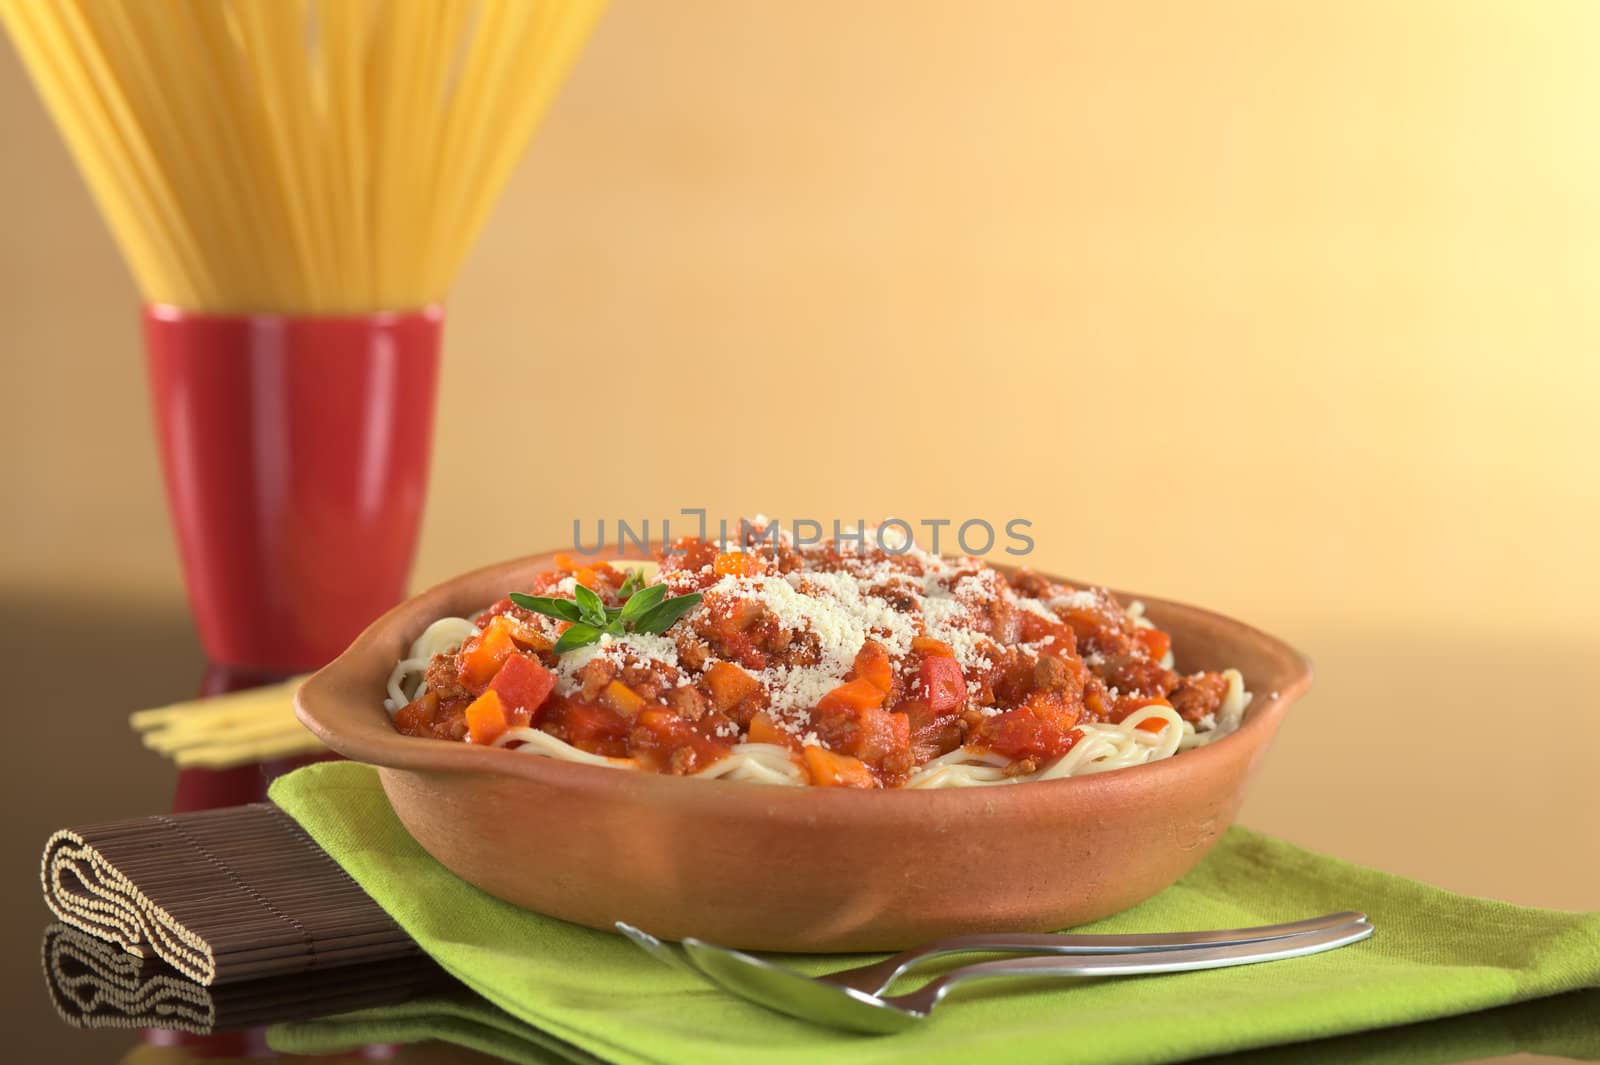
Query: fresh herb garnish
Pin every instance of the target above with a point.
(645, 609)
(631, 583)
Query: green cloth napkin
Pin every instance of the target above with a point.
(1559, 1026)
(1435, 954)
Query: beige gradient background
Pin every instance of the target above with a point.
(1290, 309)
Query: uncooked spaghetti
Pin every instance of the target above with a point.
(320, 156)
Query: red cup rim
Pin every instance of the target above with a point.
(166, 312)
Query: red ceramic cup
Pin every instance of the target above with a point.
(295, 450)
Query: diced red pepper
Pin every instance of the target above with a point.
(942, 684)
(523, 685)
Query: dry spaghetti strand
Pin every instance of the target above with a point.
(297, 156)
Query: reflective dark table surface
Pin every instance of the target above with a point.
(74, 761)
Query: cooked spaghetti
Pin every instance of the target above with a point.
(837, 664)
(297, 156)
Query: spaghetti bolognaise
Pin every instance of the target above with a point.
(834, 664)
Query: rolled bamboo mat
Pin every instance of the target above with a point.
(93, 984)
(220, 895)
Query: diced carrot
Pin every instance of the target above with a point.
(621, 698)
(927, 645)
(852, 695)
(1152, 724)
(736, 564)
(872, 663)
(942, 683)
(486, 718)
(523, 686)
(729, 685)
(1155, 641)
(831, 770)
(763, 729)
(482, 656)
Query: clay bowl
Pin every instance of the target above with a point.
(802, 869)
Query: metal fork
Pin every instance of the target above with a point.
(834, 1006)
(876, 977)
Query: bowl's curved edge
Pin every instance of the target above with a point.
(342, 705)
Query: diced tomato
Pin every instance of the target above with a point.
(931, 734)
(853, 725)
(832, 770)
(1042, 727)
(942, 684)
(416, 717)
(482, 656)
(1155, 641)
(621, 698)
(858, 694)
(690, 555)
(667, 743)
(1032, 628)
(592, 728)
(927, 645)
(729, 686)
(872, 663)
(523, 685)
(881, 735)
(486, 718)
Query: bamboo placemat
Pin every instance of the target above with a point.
(93, 984)
(220, 895)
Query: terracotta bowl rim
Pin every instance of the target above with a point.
(342, 704)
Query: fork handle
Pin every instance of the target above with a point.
(877, 976)
(1169, 961)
